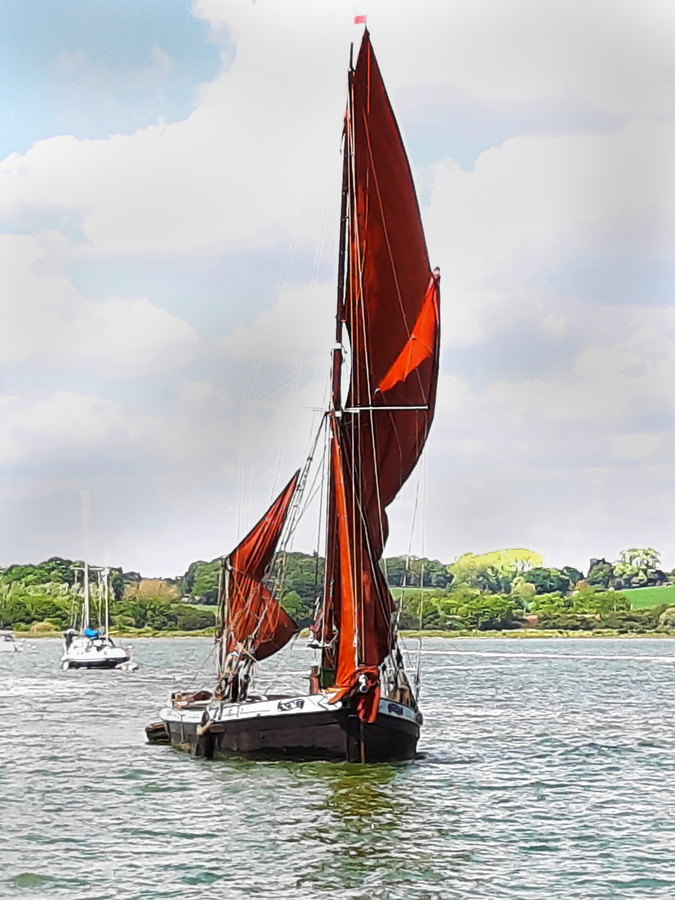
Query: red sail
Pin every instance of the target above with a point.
(255, 621)
(392, 317)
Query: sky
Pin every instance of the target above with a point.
(169, 190)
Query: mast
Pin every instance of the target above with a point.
(223, 612)
(85, 613)
(336, 400)
(106, 589)
(85, 517)
(388, 302)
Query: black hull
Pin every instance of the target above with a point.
(156, 733)
(334, 735)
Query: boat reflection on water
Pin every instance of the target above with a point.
(362, 795)
(360, 814)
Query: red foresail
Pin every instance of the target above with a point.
(391, 311)
(254, 620)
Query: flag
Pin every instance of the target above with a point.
(360, 20)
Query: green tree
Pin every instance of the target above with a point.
(494, 572)
(600, 573)
(417, 572)
(297, 609)
(201, 580)
(639, 567)
(547, 580)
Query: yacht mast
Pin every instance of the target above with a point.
(85, 517)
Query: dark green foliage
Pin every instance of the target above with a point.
(20, 607)
(301, 574)
(190, 619)
(585, 610)
(201, 580)
(296, 608)
(600, 573)
(573, 574)
(481, 600)
(461, 609)
(409, 571)
(301, 577)
(54, 571)
(131, 577)
(547, 580)
(117, 584)
(143, 612)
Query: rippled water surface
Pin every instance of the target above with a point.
(548, 771)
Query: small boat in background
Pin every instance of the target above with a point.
(93, 648)
(9, 644)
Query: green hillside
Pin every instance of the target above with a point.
(647, 598)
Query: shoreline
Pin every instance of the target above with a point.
(530, 633)
(511, 634)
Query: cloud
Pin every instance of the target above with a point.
(536, 200)
(34, 306)
(246, 168)
(126, 338)
(46, 321)
(60, 421)
(299, 327)
(611, 56)
(555, 410)
(258, 160)
(635, 446)
(196, 392)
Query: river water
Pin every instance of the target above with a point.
(548, 771)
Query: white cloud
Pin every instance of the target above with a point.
(554, 453)
(46, 321)
(608, 54)
(33, 306)
(635, 446)
(258, 160)
(607, 384)
(250, 165)
(60, 421)
(126, 338)
(536, 199)
(299, 328)
(196, 392)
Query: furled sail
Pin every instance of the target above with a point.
(255, 625)
(389, 302)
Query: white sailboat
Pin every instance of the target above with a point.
(93, 648)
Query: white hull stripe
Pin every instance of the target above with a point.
(294, 706)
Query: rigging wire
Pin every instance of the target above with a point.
(246, 432)
(299, 369)
(418, 668)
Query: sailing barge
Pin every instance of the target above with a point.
(360, 706)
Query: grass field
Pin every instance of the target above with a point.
(645, 598)
(203, 607)
(409, 591)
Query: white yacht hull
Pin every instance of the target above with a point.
(100, 653)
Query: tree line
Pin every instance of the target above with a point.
(502, 589)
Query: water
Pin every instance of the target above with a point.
(549, 771)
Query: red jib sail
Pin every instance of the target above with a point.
(390, 306)
(254, 620)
